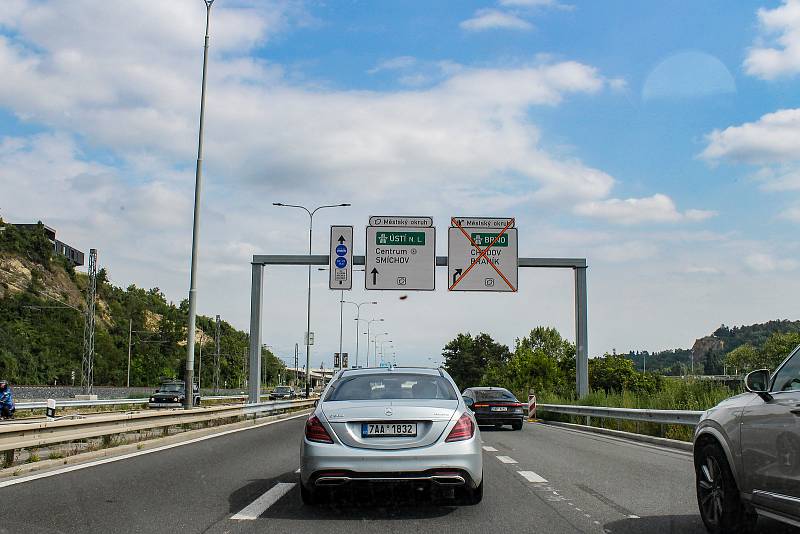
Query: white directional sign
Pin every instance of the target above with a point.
(400, 257)
(340, 266)
(482, 254)
(419, 222)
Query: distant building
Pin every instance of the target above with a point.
(74, 255)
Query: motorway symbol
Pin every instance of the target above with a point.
(401, 257)
(482, 254)
(340, 266)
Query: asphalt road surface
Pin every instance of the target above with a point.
(540, 479)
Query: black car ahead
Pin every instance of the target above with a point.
(282, 393)
(495, 406)
(171, 394)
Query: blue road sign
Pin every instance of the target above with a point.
(341, 250)
(341, 263)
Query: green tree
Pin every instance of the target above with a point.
(468, 358)
(744, 357)
(543, 361)
(777, 348)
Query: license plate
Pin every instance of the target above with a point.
(499, 409)
(388, 430)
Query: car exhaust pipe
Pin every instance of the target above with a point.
(332, 480)
(449, 480)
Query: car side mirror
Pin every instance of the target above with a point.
(758, 382)
(469, 401)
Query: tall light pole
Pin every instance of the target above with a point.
(382, 343)
(369, 324)
(375, 347)
(198, 186)
(308, 306)
(357, 319)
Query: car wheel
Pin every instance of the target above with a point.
(718, 498)
(474, 496)
(517, 425)
(308, 496)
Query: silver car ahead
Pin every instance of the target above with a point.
(392, 426)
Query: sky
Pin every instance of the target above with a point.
(658, 140)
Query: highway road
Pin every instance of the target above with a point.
(541, 479)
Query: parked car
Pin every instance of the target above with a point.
(495, 406)
(171, 394)
(282, 393)
(392, 426)
(747, 452)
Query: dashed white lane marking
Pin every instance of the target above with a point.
(530, 476)
(78, 467)
(489, 449)
(633, 517)
(296, 471)
(506, 459)
(260, 505)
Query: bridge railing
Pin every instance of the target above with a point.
(664, 417)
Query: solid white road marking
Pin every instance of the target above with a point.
(530, 476)
(489, 449)
(298, 469)
(77, 467)
(260, 505)
(506, 459)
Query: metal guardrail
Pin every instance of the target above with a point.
(73, 403)
(36, 434)
(666, 417)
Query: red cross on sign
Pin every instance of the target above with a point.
(482, 254)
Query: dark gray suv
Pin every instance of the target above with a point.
(747, 452)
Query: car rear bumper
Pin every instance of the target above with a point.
(499, 418)
(458, 463)
(164, 404)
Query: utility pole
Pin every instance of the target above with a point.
(130, 333)
(87, 366)
(296, 370)
(188, 402)
(216, 359)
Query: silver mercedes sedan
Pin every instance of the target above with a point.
(392, 426)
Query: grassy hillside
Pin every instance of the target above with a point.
(42, 303)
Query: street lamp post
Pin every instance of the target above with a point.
(188, 402)
(369, 324)
(382, 344)
(375, 347)
(357, 319)
(308, 305)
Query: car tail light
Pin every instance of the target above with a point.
(516, 405)
(482, 405)
(316, 432)
(463, 429)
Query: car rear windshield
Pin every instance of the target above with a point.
(494, 394)
(283, 390)
(389, 387)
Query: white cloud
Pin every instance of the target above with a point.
(773, 138)
(791, 214)
(537, 3)
(766, 263)
(400, 62)
(777, 52)
(494, 19)
(626, 251)
(656, 209)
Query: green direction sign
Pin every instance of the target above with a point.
(485, 239)
(415, 239)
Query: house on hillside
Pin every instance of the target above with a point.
(74, 255)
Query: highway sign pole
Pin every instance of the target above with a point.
(578, 265)
(198, 187)
(256, 302)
